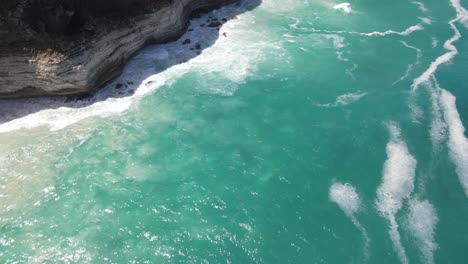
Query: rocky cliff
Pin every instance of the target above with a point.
(63, 47)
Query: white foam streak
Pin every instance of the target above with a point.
(410, 67)
(405, 32)
(421, 6)
(350, 71)
(345, 99)
(434, 42)
(422, 222)
(347, 198)
(345, 7)
(458, 143)
(438, 126)
(452, 51)
(425, 20)
(338, 43)
(397, 185)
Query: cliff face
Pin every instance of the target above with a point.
(63, 47)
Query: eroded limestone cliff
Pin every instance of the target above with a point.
(63, 47)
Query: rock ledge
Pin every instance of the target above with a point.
(66, 47)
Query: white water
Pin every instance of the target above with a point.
(338, 44)
(411, 66)
(458, 143)
(397, 185)
(425, 20)
(438, 126)
(422, 221)
(405, 32)
(421, 6)
(347, 198)
(345, 99)
(345, 7)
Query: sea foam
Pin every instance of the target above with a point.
(347, 198)
(405, 32)
(422, 221)
(462, 15)
(411, 66)
(345, 99)
(438, 126)
(338, 44)
(397, 184)
(458, 143)
(345, 7)
(421, 6)
(443, 99)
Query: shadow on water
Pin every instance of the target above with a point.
(202, 33)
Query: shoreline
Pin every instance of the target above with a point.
(151, 68)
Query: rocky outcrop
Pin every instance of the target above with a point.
(64, 47)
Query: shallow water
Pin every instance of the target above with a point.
(313, 132)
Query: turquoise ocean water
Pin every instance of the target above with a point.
(310, 132)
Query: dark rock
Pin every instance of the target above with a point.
(225, 34)
(187, 41)
(215, 24)
(190, 29)
(224, 20)
(118, 85)
(197, 46)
